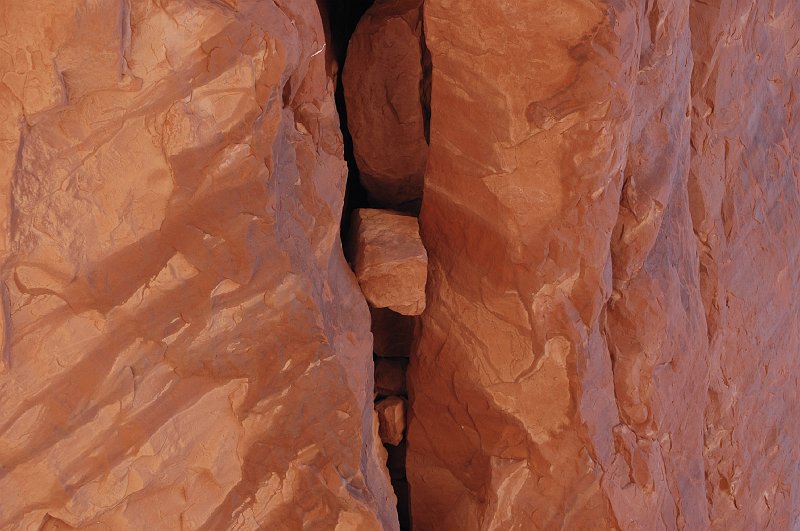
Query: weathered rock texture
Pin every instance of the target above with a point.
(389, 260)
(383, 90)
(611, 211)
(184, 346)
(611, 216)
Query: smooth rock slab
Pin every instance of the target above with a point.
(389, 260)
(392, 417)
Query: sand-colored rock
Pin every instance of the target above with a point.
(382, 84)
(610, 338)
(183, 341)
(392, 417)
(390, 376)
(389, 260)
(392, 333)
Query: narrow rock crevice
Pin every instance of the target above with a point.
(342, 19)
(382, 70)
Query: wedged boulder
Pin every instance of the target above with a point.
(392, 417)
(382, 86)
(389, 260)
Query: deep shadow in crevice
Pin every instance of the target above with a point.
(342, 17)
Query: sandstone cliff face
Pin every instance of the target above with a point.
(184, 346)
(608, 337)
(610, 214)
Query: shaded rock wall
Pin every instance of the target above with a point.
(610, 214)
(184, 345)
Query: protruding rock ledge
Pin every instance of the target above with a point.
(389, 260)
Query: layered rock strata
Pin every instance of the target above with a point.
(609, 335)
(383, 77)
(184, 345)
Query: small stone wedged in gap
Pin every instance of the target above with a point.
(382, 80)
(392, 417)
(392, 333)
(390, 376)
(389, 260)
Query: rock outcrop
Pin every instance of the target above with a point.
(592, 324)
(184, 346)
(610, 336)
(383, 81)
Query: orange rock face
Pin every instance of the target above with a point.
(383, 83)
(600, 330)
(611, 216)
(184, 346)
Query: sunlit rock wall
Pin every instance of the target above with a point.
(611, 217)
(184, 346)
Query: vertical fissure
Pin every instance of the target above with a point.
(342, 19)
(382, 70)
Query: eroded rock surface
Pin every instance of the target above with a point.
(383, 90)
(184, 346)
(389, 260)
(610, 338)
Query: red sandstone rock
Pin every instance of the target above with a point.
(392, 416)
(382, 84)
(390, 376)
(392, 333)
(184, 345)
(389, 260)
(610, 335)
(612, 217)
